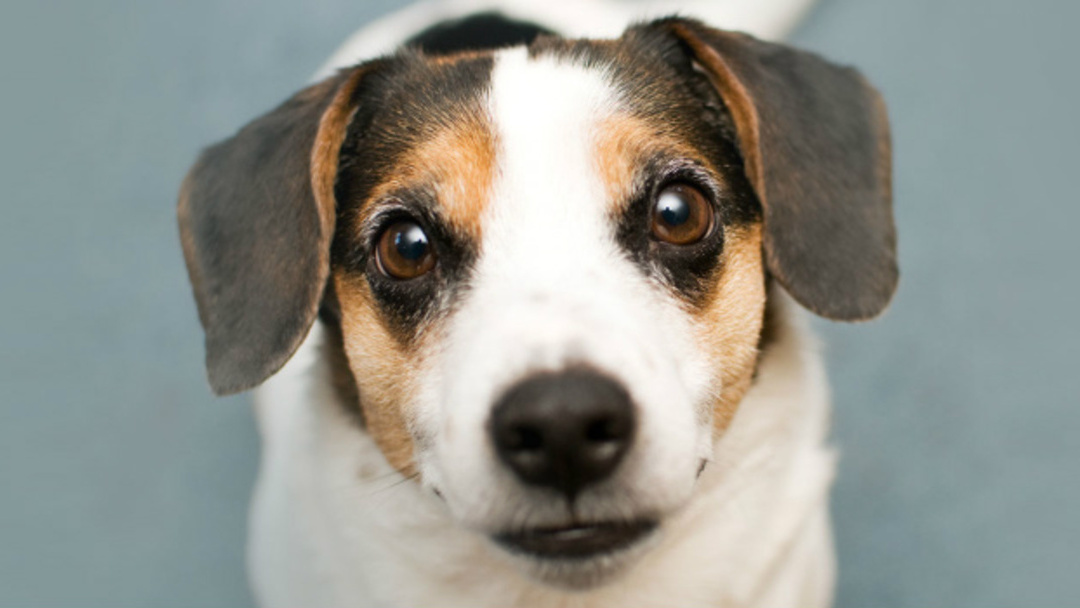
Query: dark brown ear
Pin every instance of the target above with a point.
(815, 142)
(256, 219)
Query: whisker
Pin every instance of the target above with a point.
(397, 483)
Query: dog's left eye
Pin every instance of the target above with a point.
(681, 215)
(404, 251)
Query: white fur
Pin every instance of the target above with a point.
(551, 289)
(334, 525)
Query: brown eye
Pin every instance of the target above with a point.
(681, 215)
(404, 252)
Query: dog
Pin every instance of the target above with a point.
(524, 315)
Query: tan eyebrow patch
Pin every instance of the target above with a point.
(732, 319)
(458, 163)
(623, 143)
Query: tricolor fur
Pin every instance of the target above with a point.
(532, 168)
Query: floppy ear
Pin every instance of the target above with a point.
(256, 217)
(815, 143)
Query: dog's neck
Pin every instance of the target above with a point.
(332, 521)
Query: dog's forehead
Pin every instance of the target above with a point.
(453, 125)
(548, 115)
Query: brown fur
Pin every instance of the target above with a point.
(458, 165)
(623, 143)
(815, 139)
(385, 370)
(326, 151)
(738, 102)
(731, 322)
(730, 315)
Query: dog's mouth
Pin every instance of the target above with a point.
(577, 541)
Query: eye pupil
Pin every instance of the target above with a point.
(673, 209)
(404, 251)
(411, 243)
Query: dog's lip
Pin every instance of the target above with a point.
(576, 541)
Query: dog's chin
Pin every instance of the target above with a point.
(579, 556)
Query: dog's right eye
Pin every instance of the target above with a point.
(404, 251)
(681, 215)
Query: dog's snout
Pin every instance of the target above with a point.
(563, 430)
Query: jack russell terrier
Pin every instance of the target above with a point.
(524, 311)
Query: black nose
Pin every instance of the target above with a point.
(563, 430)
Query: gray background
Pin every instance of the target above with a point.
(124, 483)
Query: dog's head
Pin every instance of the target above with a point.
(548, 263)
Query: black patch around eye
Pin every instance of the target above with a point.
(689, 269)
(406, 304)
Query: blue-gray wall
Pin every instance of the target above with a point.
(123, 483)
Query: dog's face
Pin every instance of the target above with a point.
(548, 265)
(550, 285)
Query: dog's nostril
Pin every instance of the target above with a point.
(525, 439)
(563, 430)
(603, 431)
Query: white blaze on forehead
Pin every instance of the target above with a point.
(549, 264)
(544, 110)
(547, 190)
(547, 234)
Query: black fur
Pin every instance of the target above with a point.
(402, 102)
(477, 32)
